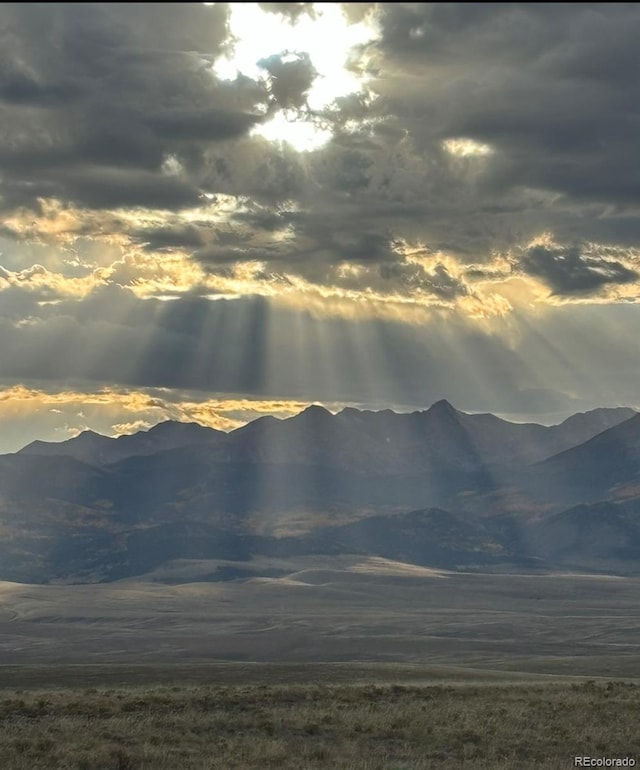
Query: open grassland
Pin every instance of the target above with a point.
(303, 718)
(357, 664)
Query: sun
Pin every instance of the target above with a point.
(321, 37)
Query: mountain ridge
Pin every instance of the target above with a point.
(481, 434)
(438, 487)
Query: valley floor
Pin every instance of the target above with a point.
(348, 609)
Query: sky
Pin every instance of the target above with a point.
(211, 212)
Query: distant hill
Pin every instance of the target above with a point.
(604, 466)
(437, 488)
(96, 449)
(599, 536)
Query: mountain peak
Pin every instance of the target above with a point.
(315, 410)
(88, 435)
(442, 407)
(175, 426)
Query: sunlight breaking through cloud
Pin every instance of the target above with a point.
(305, 62)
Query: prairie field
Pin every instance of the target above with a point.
(354, 665)
(307, 717)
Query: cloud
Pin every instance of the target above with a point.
(548, 89)
(470, 148)
(152, 237)
(94, 98)
(290, 78)
(203, 125)
(170, 237)
(470, 145)
(568, 270)
(292, 10)
(32, 412)
(191, 348)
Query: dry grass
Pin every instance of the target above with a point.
(310, 726)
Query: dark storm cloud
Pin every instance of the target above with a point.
(261, 219)
(91, 94)
(344, 203)
(178, 236)
(96, 98)
(75, 48)
(315, 247)
(256, 169)
(362, 248)
(568, 271)
(290, 77)
(109, 107)
(440, 282)
(550, 87)
(349, 202)
(18, 88)
(107, 187)
(205, 125)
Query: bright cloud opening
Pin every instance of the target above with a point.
(328, 40)
(465, 148)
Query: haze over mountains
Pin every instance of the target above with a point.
(436, 488)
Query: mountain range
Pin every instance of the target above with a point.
(437, 488)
